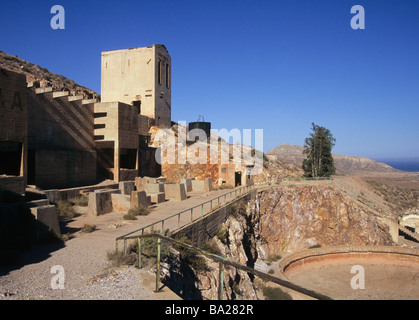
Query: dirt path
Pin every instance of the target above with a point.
(88, 273)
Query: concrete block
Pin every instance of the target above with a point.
(120, 202)
(154, 187)
(158, 197)
(188, 184)
(175, 191)
(100, 202)
(127, 187)
(202, 185)
(46, 221)
(139, 184)
(140, 199)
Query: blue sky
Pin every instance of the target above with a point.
(276, 65)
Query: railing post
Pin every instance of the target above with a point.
(221, 280)
(158, 265)
(191, 214)
(139, 253)
(116, 245)
(202, 210)
(178, 221)
(125, 246)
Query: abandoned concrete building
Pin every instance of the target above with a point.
(54, 140)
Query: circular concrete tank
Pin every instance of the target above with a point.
(386, 273)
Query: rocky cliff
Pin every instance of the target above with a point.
(278, 221)
(296, 218)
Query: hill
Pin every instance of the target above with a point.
(352, 165)
(42, 77)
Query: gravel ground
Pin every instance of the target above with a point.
(87, 274)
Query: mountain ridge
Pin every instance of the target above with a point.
(292, 154)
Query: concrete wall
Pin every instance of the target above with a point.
(61, 143)
(116, 127)
(132, 75)
(13, 129)
(206, 228)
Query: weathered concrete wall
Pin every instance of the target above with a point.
(206, 228)
(116, 127)
(133, 75)
(11, 183)
(61, 139)
(13, 129)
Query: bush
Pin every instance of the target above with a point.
(222, 235)
(65, 210)
(129, 216)
(211, 247)
(118, 258)
(82, 201)
(275, 294)
(238, 209)
(139, 211)
(89, 228)
(191, 258)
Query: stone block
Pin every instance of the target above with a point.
(202, 185)
(188, 184)
(154, 187)
(120, 202)
(140, 199)
(158, 197)
(127, 187)
(100, 202)
(175, 191)
(139, 184)
(46, 221)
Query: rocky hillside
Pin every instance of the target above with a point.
(296, 218)
(42, 77)
(291, 154)
(279, 221)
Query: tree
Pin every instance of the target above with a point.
(318, 146)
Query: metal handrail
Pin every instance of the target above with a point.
(222, 262)
(162, 221)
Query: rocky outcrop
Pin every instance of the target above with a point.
(296, 218)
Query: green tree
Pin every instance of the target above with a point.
(318, 146)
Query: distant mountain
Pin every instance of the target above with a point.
(42, 77)
(344, 164)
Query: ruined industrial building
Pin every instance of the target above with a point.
(53, 139)
(59, 142)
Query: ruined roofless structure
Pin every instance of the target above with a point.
(54, 140)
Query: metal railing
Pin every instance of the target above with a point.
(219, 201)
(222, 262)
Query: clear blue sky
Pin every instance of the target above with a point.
(276, 65)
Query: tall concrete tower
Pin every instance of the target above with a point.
(140, 77)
